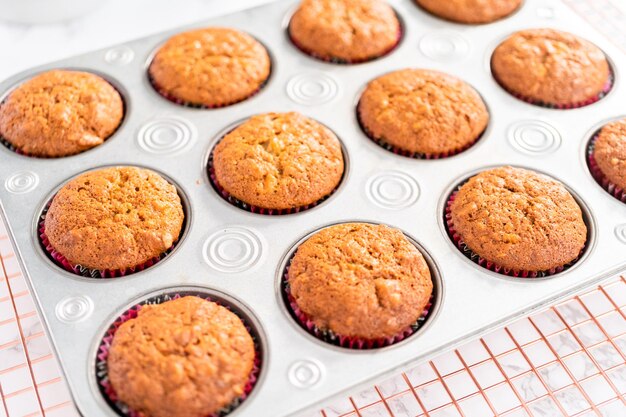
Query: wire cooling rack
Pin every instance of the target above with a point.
(569, 360)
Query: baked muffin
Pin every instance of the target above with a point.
(113, 219)
(422, 113)
(212, 67)
(551, 68)
(609, 153)
(518, 220)
(360, 281)
(188, 357)
(345, 31)
(470, 11)
(278, 161)
(60, 113)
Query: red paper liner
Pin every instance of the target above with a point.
(409, 154)
(599, 176)
(491, 266)
(60, 260)
(184, 103)
(341, 61)
(254, 209)
(349, 342)
(102, 355)
(606, 89)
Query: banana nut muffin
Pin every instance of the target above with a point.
(279, 161)
(345, 30)
(423, 112)
(188, 357)
(609, 152)
(114, 218)
(212, 67)
(470, 11)
(552, 68)
(360, 280)
(60, 113)
(519, 220)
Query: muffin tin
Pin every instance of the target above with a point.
(240, 256)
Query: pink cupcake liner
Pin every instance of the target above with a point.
(599, 176)
(491, 266)
(342, 61)
(350, 342)
(409, 154)
(254, 209)
(102, 356)
(60, 260)
(605, 90)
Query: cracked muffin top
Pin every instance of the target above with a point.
(279, 161)
(551, 67)
(470, 11)
(188, 357)
(345, 30)
(60, 113)
(610, 152)
(519, 220)
(423, 111)
(212, 67)
(114, 218)
(360, 280)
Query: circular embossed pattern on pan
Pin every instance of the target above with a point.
(444, 46)
(392, 190)
(233, 249)
(312, 89)
(21, 182)
(534, 137)
(74, 309)
(168, 135)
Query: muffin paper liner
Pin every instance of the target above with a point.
(60, 260)
(184, 103)
(102, 355)
(342, 61)
(409, 154)
(350, 342)
(477, 259)
(605, 90)
(254, 209)
(598, 175)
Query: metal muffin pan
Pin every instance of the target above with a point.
(240, 254)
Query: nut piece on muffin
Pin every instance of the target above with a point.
(188, 357)
(114, 218)
(361, 281)
(212, 67)
(422, 113)
(519, 220)
(278, 161)
(470, 11)
(551, 68)
(345, 31)
(609, 152)
(60, 113)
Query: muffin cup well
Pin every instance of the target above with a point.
(598, 175)
(409, 154)
(61, 261)
(349, 342)
(102, 375)
(491, 266)
(254, 209)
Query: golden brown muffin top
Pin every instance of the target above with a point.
(551, 67)
(345, 30)
(210, 67)
(279, 161)
(423, 111)
(187, 357)
(60, 113)
(114, 218)
(360, 280)
(610, 152)
(519, 219)
(471, 11)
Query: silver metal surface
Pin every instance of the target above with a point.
(239, 254)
